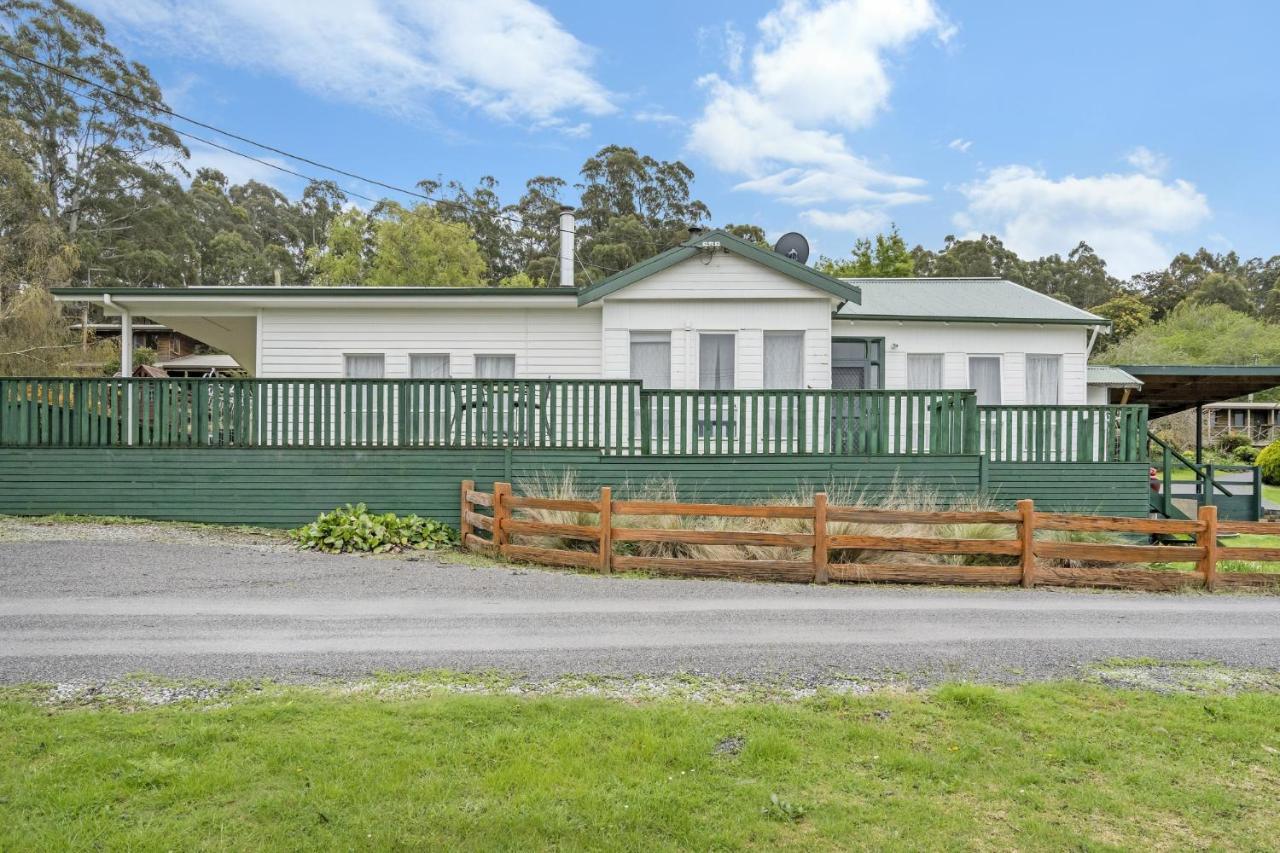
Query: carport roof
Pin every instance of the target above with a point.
(1170, 388)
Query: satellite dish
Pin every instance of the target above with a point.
(793, 246)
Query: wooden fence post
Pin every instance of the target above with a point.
(1026, 538)
(606, 530)
(820, 573)
(501, 512)
(1208, 540)
(464, 526)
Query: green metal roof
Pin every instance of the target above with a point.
(1108, 374)
(961, 300)
(346, 290)
(720, 240)
(1169, 388)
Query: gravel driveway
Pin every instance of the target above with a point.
(99, 602)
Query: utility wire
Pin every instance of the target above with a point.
(155, 107)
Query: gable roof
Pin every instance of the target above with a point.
(972, 300)
(721, 240)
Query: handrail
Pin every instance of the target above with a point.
(1063, 433)
(1194, 466)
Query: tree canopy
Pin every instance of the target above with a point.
(1200, 334)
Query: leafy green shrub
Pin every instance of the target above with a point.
(1269, 461)
(1246, 454)
(354, 528)
(1230, 441)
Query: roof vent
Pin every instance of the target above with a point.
(695, 231)
(794, 246)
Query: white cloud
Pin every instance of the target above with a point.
(818, 71)
(859, 222)
(960, 144)
(657, 117)
(1122, 216)
(1146, 161)
(240, 170)
(510, 58)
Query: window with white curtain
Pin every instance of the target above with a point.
(984, 377)
(1044, 377)
(924, 371)
(784, 359)
(429, 365)
(364, 365)
(715, 361)
(651, 358)
(495, 367)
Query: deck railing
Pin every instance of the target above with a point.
(614, 416)
(1063, 433)
(871, 423)
(317, 413)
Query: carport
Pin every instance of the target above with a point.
(1171, 388)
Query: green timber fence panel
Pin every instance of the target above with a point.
(1097, 488)
(286, 487)
(1063, 433)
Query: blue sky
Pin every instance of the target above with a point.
(1145, 128)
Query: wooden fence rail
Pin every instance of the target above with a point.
(498, 531)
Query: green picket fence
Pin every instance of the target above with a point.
(872, 423)
(1063, 433)
(614, 416)
(317, 413)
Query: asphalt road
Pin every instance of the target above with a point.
(98, 609)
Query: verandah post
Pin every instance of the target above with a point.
(1207, 538)
(820, 571)
(501, 512)
(464, 526)
(606, 530)
(1026, 540)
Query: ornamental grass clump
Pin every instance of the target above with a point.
(353, 529)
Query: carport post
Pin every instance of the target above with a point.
(1199, 433)
(126, 370)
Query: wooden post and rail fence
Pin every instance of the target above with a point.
(496, 522)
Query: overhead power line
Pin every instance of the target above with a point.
(160, 108)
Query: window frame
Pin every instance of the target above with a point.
(448, 364)
(475, 365)
(349, 355)
(764, 347)
(968, 367)
(942, 370)
(726, 333)
(631, 342)
(1026, 377)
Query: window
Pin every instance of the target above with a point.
(1044, 376)
(984, 377)
(856, 363)
(651, 358)
(924, 372)
(495, 367)
(715, 362)
(784, 359)
(429, 365)
(364, 365)
(1237, 419)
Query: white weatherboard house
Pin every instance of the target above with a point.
(716, 312)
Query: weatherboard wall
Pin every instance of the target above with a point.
(288, 487)
(1011, 342)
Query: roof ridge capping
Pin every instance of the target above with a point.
(719, 239)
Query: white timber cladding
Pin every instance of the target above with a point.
(558, 343)
(747, 321)
(1010, 342)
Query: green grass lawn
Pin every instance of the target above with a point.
(1036, 767)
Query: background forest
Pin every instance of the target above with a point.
(95, 188)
